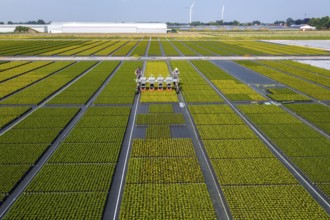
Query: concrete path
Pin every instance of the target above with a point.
(101, 58)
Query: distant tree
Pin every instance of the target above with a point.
(219, 22)
(236, 23)
(256, 22)
(2, 22)
(21, 29)
(306, 20)
(41, 21)
(279, 22)
(320, 23)
(10, 22)
(196, 23)
(289, 21)
(299, 22)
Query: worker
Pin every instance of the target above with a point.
(175, 73)
(138, 72)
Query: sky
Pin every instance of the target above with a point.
(160, 10)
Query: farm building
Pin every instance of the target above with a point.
(307, 28)
(96, 27)
(92, 27)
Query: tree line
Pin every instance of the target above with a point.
(40, 21)
(320, 23)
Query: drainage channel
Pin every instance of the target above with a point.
(219, 203)
(49, 152)
(302, 179)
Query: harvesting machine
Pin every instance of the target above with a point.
(152, 83)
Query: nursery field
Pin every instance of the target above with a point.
(243, 139)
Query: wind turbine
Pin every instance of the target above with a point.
(190, 12)
(222, 12)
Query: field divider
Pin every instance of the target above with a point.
(53, 147)
(302, 179)
(36, 107)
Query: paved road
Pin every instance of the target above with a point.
(243, 74)
(101, 58)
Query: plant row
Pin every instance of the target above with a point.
(158, 131)
(240, 160)
(30, 48)
(164, 170)
(12, 64)
(22, 81)
(125, 49)
(308, 88)
(121, 88)
(194, 87)
(43, 89)
(81, 48)
(140, 49)
(21, 146)
(318, 114)
(231, 87)
(8, 114)
(110, 49)
(156, 69)
(169, 49)
(160, 119)
(304, 74)
(285, 94)
(310, 68)
(64, 49)
(162, 147)
(10, 73)
(82, 90)
(166, 201)
(302, 144)
(186, 51)
(272, 201)
(82, 166)
(59, 205)
(95, 49)
(154, 48)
